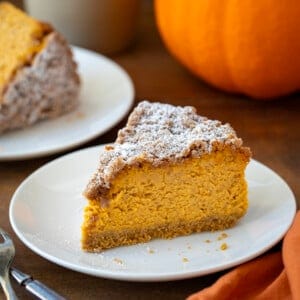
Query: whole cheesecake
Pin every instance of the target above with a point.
(170, 172)
(38, 76)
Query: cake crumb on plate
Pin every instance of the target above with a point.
(118, 261)
(224, 246)
(151, 251)
(222, 236)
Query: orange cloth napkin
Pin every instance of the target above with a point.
(272, 276)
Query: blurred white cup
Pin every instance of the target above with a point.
(106, 26)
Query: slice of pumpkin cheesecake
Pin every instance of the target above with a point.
(170, 172)
(38, 76)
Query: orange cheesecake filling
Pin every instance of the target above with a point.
(169, 200)
(20, 39)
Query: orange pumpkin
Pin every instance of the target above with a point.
(241, 46)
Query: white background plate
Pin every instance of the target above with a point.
(46, 214)
(106, 96)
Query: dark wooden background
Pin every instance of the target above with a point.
(271, 129)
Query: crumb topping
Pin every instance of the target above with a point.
(162, 131)
(156, 133)
(45, 89)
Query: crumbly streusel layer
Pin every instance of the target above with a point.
(159, 133)
(46, 88)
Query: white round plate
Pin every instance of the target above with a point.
(46, 214)
(106, 96)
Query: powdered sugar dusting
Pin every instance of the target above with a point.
(162, 131)
(156, 133)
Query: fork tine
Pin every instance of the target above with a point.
(5, 236)
(7, 253)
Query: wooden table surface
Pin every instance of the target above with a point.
(271, 129)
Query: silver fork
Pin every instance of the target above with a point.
(7, 253)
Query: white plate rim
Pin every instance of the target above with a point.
(143, 277)
(41, 153)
